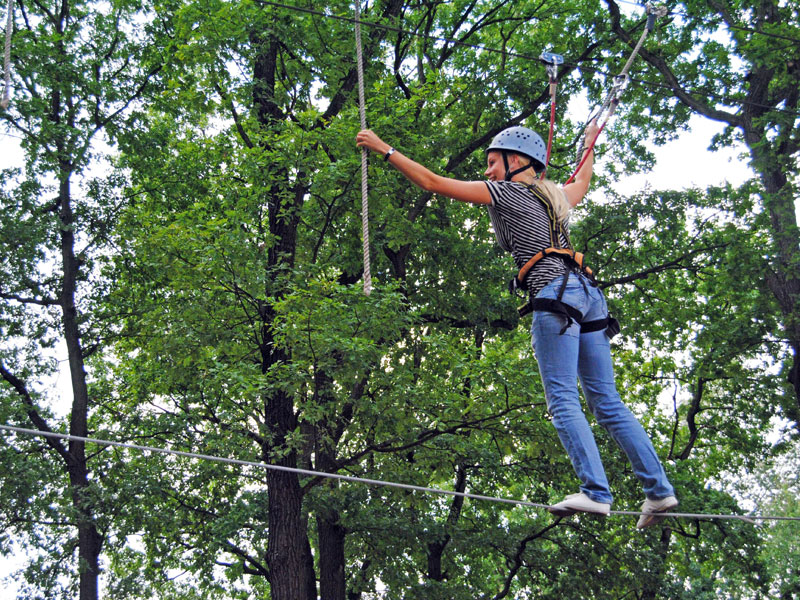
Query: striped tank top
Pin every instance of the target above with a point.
(522, 227)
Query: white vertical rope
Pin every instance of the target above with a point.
(7, 56)
(364, 153)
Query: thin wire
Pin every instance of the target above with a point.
(377, 482)
(739, 27)
(364, 153)
(509, 53)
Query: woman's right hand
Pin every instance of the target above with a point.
(366, 138)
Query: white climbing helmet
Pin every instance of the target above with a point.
(522, 141)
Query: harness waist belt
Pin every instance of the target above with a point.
(566, 254)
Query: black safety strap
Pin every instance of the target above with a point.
(509, 172)
(610, 324)
(570, 313)
(556, 227)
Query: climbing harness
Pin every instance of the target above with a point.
(551, 62)
(573, 260)
(364, 153)
(7, 56)
(575, 264)
(611, 101)
(569, 313)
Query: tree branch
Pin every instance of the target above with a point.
(24, 300)
(33, 414)
(691, 418)
(257, 569)
(674, 264)
(236, 119)
(669, 76)
(516, 564)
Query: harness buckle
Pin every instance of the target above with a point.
(613, 327)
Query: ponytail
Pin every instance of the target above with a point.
(558, 199)
(554, 193)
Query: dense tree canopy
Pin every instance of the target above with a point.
(187, 224)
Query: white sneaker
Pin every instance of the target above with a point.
(652, 507)
(579, 503)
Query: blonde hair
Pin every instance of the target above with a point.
(558, 199)
(553, 192)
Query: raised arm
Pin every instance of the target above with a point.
(576, 190)
(474, 192)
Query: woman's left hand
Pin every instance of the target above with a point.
(590, 133)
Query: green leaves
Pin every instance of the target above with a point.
(221, 305)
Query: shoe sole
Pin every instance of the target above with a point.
(655, 517)
(562, 512)
(566, 512)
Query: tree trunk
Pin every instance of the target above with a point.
(783, 274)
(652, 583)
(436, 548)
(330, 533)
(288, 550)
(331, 555)
(90, 542)
(89, 539)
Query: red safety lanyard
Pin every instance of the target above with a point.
(551, 62)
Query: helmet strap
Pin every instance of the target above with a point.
(509, 172)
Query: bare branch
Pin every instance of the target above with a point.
(24, 300)
(33, 414)
(679, 262)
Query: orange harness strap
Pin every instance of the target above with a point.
(568, 255)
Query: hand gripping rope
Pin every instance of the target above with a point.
(752, 519)
(551, 62)
(620, 83)
(364, 153)
(7, 56)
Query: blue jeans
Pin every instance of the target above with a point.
(562, 359)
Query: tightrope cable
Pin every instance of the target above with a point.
(376, 482)
(364, 153)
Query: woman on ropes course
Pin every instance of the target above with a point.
(571, 326)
